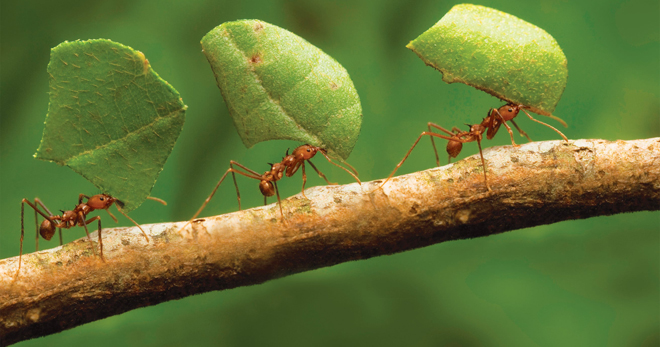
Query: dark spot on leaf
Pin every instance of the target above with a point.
(256, 59)
(334, 86)
(125, 242)
(514, 159)
(258, 26)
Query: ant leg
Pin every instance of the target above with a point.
(320, 173)
(81, 220)
(157, 200)
(36, 210)
(350, 167)
(36, 228)
(522, 133)
(435, 150)
(341, 167)
(238, 194)
(483, 162)
(548, 125)
(111, 215)
(304, 179)
(37, 203)
(20, 253)
(251, 174)
(508, 128)
(134, 222)
(59, 230)
(100, 238)
(265, 200)
(279, 201)
(409, 151)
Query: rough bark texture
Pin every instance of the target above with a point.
(537, 183)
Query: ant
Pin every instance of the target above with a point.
(72, 218)
(494, 119)
(268, 180)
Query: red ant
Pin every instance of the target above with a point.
(268, 181)
(494, 119)
(72, 218)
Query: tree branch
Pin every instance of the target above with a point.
(537, 183)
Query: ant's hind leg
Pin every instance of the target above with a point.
(483, 162)
(304, 180)
(100, 238)
(81, 220)
(279, 201)
(20, 253)
(435, 150)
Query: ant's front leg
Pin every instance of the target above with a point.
(508, 128)
(321, 173)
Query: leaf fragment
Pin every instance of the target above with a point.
(498, 53)
(111, 118)
(279, 86)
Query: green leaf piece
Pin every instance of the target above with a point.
(498, 53)
(279, 86)
(111, 118)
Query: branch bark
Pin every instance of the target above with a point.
(537, 183)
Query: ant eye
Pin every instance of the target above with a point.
(101, 198)
(510, 110)
(309, 150)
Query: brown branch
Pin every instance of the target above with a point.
(537, 183)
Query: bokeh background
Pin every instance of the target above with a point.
(590, 282)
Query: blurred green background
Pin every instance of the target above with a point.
(581, 283)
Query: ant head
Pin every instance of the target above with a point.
(47, 229)
(305, 152)
(509, 111)
(267, 188)
(100, 201)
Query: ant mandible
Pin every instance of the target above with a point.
(268, 180)
(490, 125)
(72, 218)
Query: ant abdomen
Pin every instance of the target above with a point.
(267, 188)
(454, 148)
(47, 230)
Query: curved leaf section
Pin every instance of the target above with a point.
(111, 118)
(498, 53)
(279, 86)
